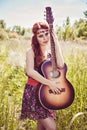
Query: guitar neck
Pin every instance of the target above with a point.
(50, 19)
(53, 57)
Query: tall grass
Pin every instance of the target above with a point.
(13, 79)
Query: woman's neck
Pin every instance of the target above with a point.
(44, 51)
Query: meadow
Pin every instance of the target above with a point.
(13, 80)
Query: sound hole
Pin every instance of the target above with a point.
(55, 74)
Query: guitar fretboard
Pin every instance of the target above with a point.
(53, 57)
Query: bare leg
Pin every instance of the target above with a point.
(48, 124)
(40, 126)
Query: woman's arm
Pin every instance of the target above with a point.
(59, 56)
(35, 75)
(31, 72)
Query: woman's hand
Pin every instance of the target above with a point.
(54, 87)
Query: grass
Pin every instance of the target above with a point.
(13, 79)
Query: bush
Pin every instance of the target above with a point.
(3, 35)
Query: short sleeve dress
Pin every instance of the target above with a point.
(31, 107)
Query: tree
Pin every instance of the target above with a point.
(2, 24)
(85, 13)
(67, 21)
(81, 27)
(17, 29)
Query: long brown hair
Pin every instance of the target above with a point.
(35, 44)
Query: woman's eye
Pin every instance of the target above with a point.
(40, 36)
(46, 34)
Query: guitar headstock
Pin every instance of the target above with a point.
(49, 16)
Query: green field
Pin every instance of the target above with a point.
(13, 80)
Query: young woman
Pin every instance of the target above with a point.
(36, 55)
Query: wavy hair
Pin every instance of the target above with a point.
(35, 45)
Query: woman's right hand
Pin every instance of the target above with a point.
(54, 87)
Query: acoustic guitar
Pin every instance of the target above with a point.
(49, 68)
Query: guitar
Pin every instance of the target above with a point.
(49, 68)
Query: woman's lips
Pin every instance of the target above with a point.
(45, 42)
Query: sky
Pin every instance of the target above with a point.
(25, 13)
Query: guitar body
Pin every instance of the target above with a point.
(53, 101)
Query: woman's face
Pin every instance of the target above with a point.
(43, 36)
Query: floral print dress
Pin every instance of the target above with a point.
(31, 107)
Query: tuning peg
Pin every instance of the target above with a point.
(44, 15)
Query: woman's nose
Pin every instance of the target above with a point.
(44, 37)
